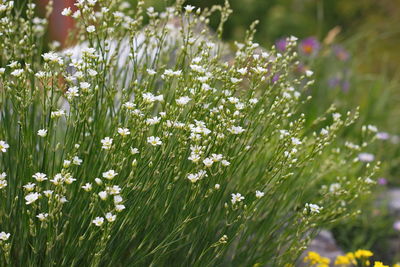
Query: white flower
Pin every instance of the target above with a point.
(92, 72)
(154, 141)
(66, 163)
(217, 186)
(117, 199)
(154, 120)
(72, 92)
(183, 100)
(3, 146)
(151, 71)
(237, 198)
(103, 195)
(236, 130)
(216, 157)
(76, 161)
(84, 86)
(17, 72)
(4, 236)
(134, 151)
(106, 143)
(40, 177)
(42, 216)
(189, 8)
(314, 208)
(87, 187)
(98, 221)
(194, 157)
(42, 132)
(124, 131)
(90, 29)
(48, 193)
(3, 175)
(57, 113)
(32, 197)
(119, 207)
(98, 181)
(225, 163)
(193, 177)
(114, 190)
(259, 194)
(366, 157)
(3, 183)
(129, 105)
(66, 11)
(109, 174)
(29, 187)
(296, 141)
(208, 162)
(309, 73)
(110, 217)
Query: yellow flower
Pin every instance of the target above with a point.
(342, 260)
(396, 265)
(313, 258)
(362, 253)
(380, 264)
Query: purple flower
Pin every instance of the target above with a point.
(345, 86)
(275, 78)
(340, 53)
(382, 181)
(281, 44)
(366, 157)
(333, 82)
(382, 135)
(396, 225)
(309, 46)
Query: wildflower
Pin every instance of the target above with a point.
(194, 157)
(3, 184)
(29, 187)
(314, 208)
(76, 160)
(362, 253)
(32, 197)
(208, 162)
(87, 187)
(57, 113)
(236, 198)
(3, 146)
(183, 100)
(309, 46)
(154, 141)
(124, 131)
(193, 177)
(366, 157)
(151, 71)
(119, 207)
(296, 141)
(236, 130)
(342, 260)
(84, 86)
(103, 195)
(47, 193)
(66, 163)
(313, 258)
(90, 29)
(154, 120)
(396, 226)
(189, 8)
(106, 143)
(4, 236)
(42, 216)
(110, 217)
(98, 181)
(17, 72)
(382, 136)
(66, 11)
(98, 221)
(42, 132)
(379, 264)
(225, 163)
(259, 194)
(117, 199)
(109, 174)
(382, 181)
(281, 44)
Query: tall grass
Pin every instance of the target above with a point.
(158, 145)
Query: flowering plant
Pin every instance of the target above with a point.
(154, 144)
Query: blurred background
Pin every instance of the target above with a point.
(353, 49)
